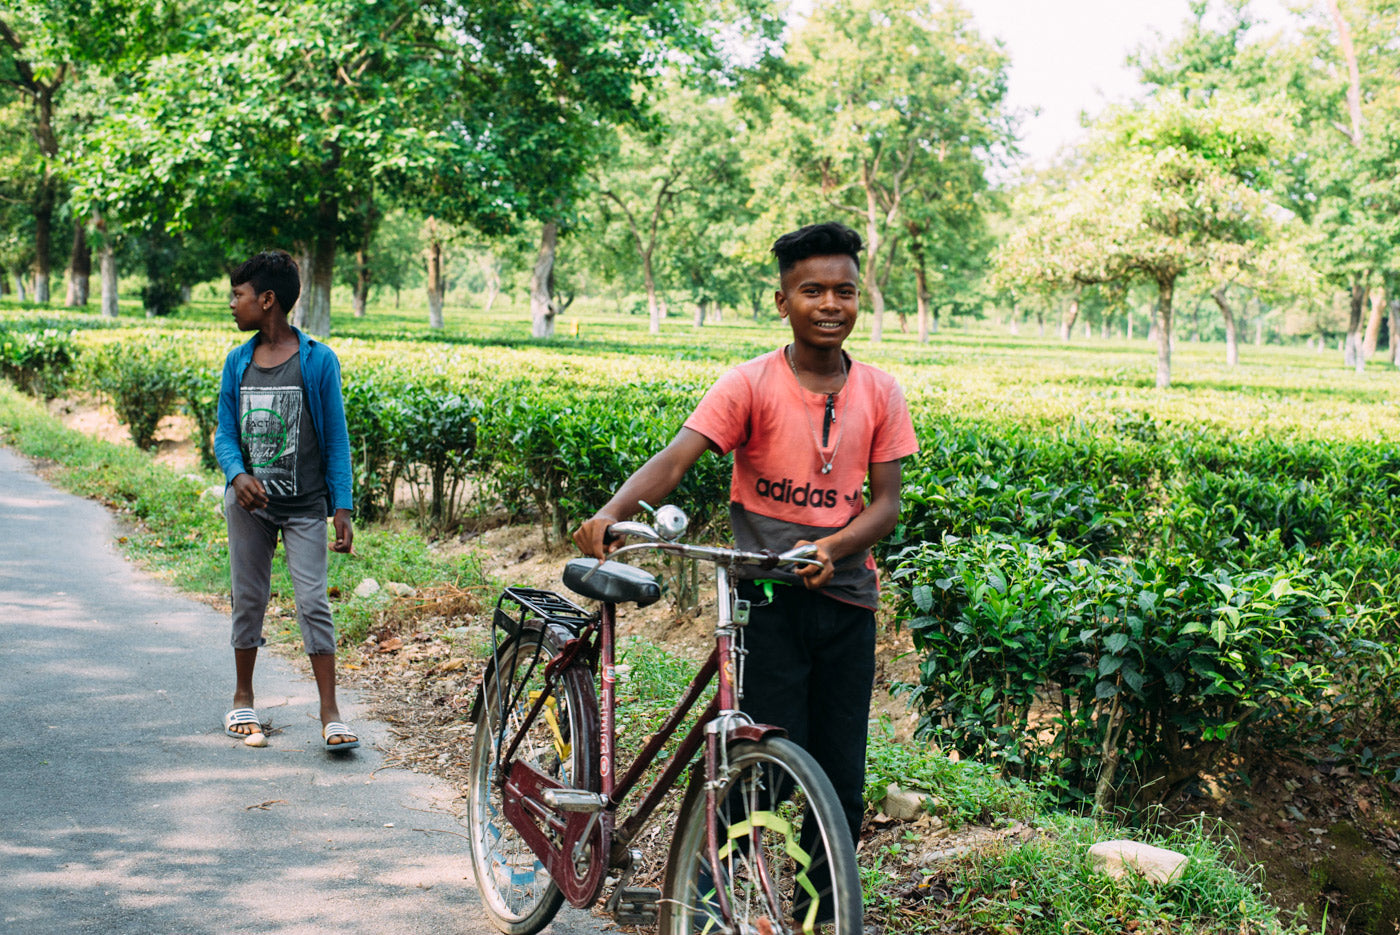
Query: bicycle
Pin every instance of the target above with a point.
(761, 844)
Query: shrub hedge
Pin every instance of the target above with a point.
(1109, 606)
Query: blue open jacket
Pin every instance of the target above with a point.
(320, 374)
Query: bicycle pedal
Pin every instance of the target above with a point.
(574, 800)
(636, 905)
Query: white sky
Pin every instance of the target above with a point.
(1067, 56)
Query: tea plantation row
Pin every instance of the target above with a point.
(1108, 604)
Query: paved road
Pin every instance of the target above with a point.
(124, 810)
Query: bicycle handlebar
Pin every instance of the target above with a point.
(800, 555)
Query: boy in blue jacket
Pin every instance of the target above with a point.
(285, 452)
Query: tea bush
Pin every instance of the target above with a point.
(566, 453)
(144, 382)
(199, 398)
(37, 357)
(1068, 670)
(374, 440)
(434, 442)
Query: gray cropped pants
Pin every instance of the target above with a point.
(252, 539)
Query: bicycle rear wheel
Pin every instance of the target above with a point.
(786, 862)
(516, 888)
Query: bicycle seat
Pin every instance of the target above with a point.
(613, 582)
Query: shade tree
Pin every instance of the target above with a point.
(886, 97)
(1167, 189)
(674, 190)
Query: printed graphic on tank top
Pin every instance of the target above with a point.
(279, 443)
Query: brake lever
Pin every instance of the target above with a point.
(802, 554)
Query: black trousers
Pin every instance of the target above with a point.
(810, 669)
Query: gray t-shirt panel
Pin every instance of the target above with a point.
(279, 441)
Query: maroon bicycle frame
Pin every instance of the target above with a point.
(524, 784)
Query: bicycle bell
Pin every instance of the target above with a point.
(670, 522)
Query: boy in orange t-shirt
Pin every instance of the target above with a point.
(808, 425)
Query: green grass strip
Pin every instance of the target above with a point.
(177, 532)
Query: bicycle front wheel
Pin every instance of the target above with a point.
(515, 886)
(785, 859)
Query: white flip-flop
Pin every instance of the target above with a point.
(238, 717)
(337, 729)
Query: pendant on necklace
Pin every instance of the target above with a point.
(826, 468)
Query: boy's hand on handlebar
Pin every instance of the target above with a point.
(591, 538)
(812, 576)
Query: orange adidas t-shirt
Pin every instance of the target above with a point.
(778, 492)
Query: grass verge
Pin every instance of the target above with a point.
(173, 526)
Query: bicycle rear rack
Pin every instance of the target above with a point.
(536, 604)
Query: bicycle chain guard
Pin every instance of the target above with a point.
(554, 836)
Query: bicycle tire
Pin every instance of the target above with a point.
(516, 889)
(819, 859)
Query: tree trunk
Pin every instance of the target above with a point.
(107, 273)
(1232, 344)
(20, 291)
(79, 267)
(699, 314)
(1014, 326)
(872, 251)
(1128, 327)
(493, 287)
(1348, 50)
(654, 310)
(1373, 322)
(1109, 756)
(360, 298)
(318, 312)
(921, 290)
(299, 311)
(1395, 331)
(1164, 331)
(1040, 320)
(437, 284)
(1071, 315)
(1351, 345)
(43, 234)
(542, 283)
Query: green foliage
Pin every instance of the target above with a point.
(968, 481)
(199, 399)
(1159, 665)
(964, 791)
(144, 382)
(369, 419)
(435, 434)
(1047, 884)
(37, 356)
(566, 452)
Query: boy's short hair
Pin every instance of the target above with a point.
(271, 269)
(827, 239)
